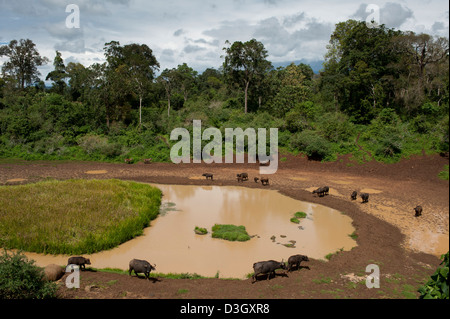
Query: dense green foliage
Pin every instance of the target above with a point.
(230, 232)
(75, 216)
(21, 279)
(438, 285)
(382, 95)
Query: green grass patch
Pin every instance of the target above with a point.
(230, 232)
(75, 216)
(200, 231)
(444, 174)
(297, 217)
(300, 215)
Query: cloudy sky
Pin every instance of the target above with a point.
(195, 31)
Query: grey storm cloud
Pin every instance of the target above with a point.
(393, 15)
(195, 31)
(280, 36)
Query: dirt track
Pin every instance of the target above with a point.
(404, 247)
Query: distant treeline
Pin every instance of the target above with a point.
(382, 94)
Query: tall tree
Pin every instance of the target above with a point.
(136, 63)
(357, 66)
(186, 78)
(23, 61)
(168, 79)
(58, 74)
(244, 63)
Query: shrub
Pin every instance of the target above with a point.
(336, 127)
(437, 287)
(92, 144)
(21, 279)
(312, 144)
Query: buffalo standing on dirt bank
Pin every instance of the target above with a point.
(294, 261)
(141, 266)
(267, 268)
(80, 261)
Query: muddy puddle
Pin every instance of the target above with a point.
(171, 243)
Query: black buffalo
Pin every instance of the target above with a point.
(354, 195)
(244, 176)
(319, 191)
(365, 197)
(265, 181)
(80, 261)
(294, 261)
(267, 268)
(208, 176)
(418, 211)
(141, 266)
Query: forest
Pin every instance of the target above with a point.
(382, 95)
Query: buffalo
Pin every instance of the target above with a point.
(267, 268)
(365, 197)
(418, 211)
(208, 176)
(319, 191)
(80, 261)
(326, 190)
(354, 195)
(244, 176)
(265, 181)
(295, 261)
(141, 266)
(256, 179)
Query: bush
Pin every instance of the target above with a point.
(94, 144)
(437, 287)
(312, 144)
(21, 279)
(336, 127)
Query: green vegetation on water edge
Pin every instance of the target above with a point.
(230, 232)
(75, 216)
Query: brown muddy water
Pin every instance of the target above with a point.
(171, 243)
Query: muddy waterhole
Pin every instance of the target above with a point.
(171, 243)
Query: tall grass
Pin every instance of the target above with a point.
(75, 216)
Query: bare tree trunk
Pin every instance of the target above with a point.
(168, 106)
(140, 111)
(246, 95)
